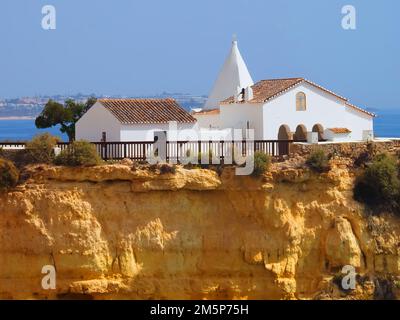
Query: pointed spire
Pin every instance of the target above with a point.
(233, 75)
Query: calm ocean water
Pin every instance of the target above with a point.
(387, 124)
(22, 130)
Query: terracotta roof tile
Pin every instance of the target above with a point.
(141, 111)
(339, 130)
(265, 90)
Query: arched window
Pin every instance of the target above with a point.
(301, 102)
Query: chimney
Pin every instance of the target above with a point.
(248, 94)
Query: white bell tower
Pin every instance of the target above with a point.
(233, 75)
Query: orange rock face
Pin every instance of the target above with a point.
(113, 232)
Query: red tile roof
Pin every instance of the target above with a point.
(266, 90)
(141, 111)
(339, 130)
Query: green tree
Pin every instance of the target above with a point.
(66, 115)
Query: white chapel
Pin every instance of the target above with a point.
(285, 109)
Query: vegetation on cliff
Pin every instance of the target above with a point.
(379, 185)
(9, 175)
(54, 113)
(41, 148)
(262, 163)
(78, 153)
(131, 230)
(115, 232)
(318, 161)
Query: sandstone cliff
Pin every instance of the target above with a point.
(117, 232)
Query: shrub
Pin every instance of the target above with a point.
(19, 157)
(41, 148)
(163, 168)
(379, 185)
(363, 159)
(167, 168)
(366, 157)
(318, 161)
(195, 162)
(78, 153)
(9, 175)
(261, 163)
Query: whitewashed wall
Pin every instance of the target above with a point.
(95, 121)
(145, 132)
(236, 116)
(208, 121)
(358, 122)
(98, 120)
(337, 137)
(216, 135)
(322, 108)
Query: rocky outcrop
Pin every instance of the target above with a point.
(123, 232)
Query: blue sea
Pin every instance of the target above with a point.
(23, 130)
(387, 124)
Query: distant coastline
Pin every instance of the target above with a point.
(27, 108)
(18, 118)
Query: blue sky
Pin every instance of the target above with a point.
(130, 47)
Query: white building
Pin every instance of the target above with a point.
(281, 108)
(285, 109)
(233, 77)
(117, 120)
